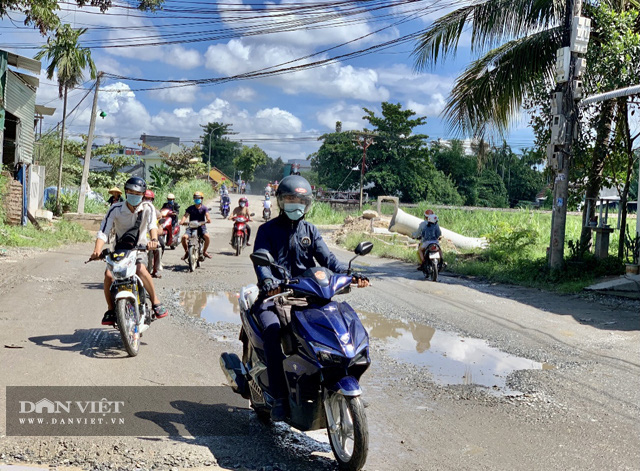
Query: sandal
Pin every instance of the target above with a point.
(160, 311)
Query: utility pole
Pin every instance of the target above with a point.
(364, 142)
(87, 154)
(569, 66)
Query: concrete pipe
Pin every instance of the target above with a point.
(407, 224)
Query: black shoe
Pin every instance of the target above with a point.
(109, 318)
(419, 268)
(279, 410)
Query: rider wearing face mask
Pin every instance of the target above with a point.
(132, 219)
(243, 211)
(296, 245)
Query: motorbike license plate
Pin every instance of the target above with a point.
(434, 255)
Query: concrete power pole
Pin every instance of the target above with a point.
(87, 154)
(364, 142)
(569, 66)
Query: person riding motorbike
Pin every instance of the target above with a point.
(149, 196)
(132, 221)
(428, 232)
(173, 205)
(296, 245)
(242, 210)
(196, 212)
(224, 198)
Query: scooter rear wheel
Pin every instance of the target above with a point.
(434, 270)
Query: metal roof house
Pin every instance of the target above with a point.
(17, 108)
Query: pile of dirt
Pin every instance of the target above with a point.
(360, 224)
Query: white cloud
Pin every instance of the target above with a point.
(349, 115)
(276, 121)
(183, 58)
(332, 80)
(431, 109)
(176, 94)
(241, 94)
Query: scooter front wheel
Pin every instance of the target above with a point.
(128, 325)
(192, 258)
(347, 429)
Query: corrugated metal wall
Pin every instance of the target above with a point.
(21, 101)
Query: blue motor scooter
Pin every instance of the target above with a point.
(326, 351)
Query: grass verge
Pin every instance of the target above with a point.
(55, 234)
(533, 273)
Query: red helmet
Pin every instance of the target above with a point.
(428, 212)
(243, 200)
(149, 194)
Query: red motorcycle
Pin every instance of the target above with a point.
(170, 236)
(239, 240)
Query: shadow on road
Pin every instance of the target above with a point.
(237, 439)
(614, 315)
(94, 343)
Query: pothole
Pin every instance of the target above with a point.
(212, 307)
(450, 358)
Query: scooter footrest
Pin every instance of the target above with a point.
(233, 370)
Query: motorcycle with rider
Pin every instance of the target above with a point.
(303, 353)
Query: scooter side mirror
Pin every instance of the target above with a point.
(363, 248)
(262, 258)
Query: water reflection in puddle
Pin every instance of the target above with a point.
(212, 307)
(451, 359)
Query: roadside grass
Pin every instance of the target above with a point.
(184, 193)
(517, 253)
(54, 234)
(322, 214)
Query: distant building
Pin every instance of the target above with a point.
(157, 142)
(153, 159)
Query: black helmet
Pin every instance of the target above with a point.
(136, 184)
(296, 186)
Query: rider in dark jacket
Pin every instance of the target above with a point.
(296, 245)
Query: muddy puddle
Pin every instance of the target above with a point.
(212, 307)
(451, 359)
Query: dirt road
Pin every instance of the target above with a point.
(465, 375)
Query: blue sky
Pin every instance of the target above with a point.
(284, 114)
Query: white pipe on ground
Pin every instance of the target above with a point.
(407, 224)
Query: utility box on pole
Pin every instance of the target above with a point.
(575, 41)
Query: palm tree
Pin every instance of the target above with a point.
(517, 42)
(65, 54)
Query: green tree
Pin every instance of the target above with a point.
(65, 55)
(336, 158)
(43, 13)
(462, 169)
(185, 165)
(398, 162)
(248, 159)
(223, 150)
(270, 171)
(491, 190)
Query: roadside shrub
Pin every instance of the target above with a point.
(509, 243)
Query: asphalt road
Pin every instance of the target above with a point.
(446, 390)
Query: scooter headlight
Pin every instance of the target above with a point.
(325, 356)
(120, 270)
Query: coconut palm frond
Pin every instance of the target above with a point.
(67, 57)
(489, 93)
(491, 21)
